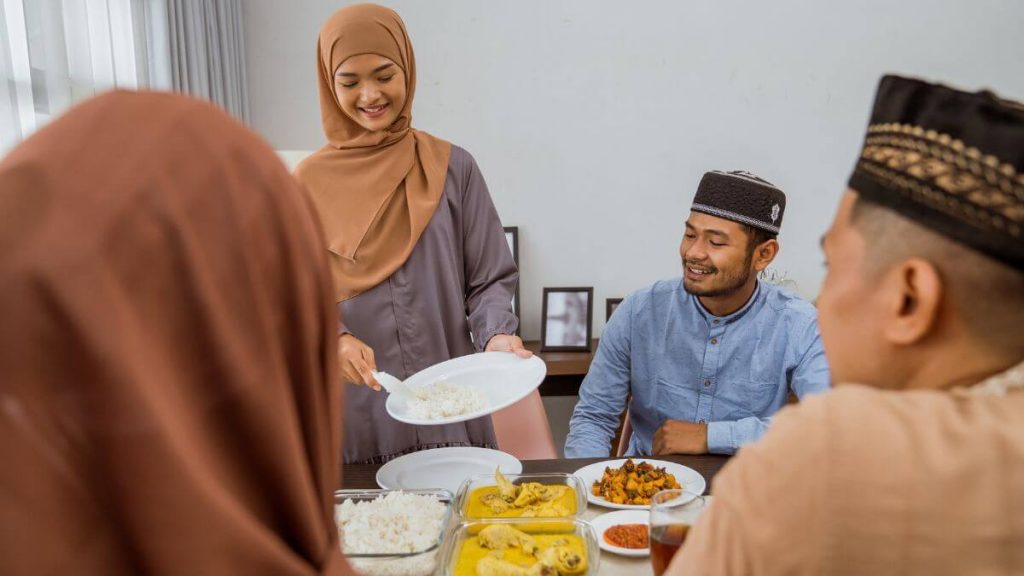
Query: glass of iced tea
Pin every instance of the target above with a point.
(673, 512)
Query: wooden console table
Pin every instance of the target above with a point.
(565, 369)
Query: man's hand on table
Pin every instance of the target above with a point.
(679, 437)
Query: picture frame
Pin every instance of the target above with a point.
(512, 238)
(567, 319)
(609, 307)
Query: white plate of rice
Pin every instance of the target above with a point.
(464, 388)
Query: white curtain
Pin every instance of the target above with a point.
(54, 53)
(208, 52)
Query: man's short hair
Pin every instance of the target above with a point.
(988, 294)
(756, 237)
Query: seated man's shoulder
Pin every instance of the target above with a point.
(824, 423)
(815, 447)
(857, 453)
(661, 288)
(924, 426)
(854, 428)
(788, 302)
(660, 291)
(850, 407)
(861, 440)
(791, 313)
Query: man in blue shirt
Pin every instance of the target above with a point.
(705, 362)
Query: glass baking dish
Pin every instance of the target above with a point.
(462, 500)
(542, 529)
(397, 562)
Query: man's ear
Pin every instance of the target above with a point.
(764, 253)
(916, 301)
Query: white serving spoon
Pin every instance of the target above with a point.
(392, 385)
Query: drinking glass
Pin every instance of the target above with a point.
(673, 513)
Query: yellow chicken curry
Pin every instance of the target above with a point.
(633, 483)
(502, 550)
(527, 500)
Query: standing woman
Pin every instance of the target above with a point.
(421, 269)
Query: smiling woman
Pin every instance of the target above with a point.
(420, 266)
(370, 90)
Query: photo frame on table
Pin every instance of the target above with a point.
(609, 307)
(512, 238)
(566, 319)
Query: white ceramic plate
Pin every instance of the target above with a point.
(609, 519)
(444, 468)
(687, 477)
(502, 377)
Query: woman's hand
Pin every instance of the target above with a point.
(356, 362)
(507, 343)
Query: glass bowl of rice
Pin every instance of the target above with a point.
(392, 532)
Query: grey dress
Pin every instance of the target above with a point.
(460, 278)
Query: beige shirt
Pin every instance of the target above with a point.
(864, 481)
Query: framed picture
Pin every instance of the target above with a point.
(566, 319)
(512, 237)
(609, 307)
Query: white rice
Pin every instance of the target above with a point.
(443, 399)
(398, 523)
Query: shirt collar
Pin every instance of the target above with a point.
(709, 317)
(1000, 384)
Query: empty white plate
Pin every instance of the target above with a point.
(502, 377)
(444, 468)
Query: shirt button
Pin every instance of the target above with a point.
(707, 382)
(717, 321)
(714, 340)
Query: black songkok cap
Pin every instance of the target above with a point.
(951, 161)
(741, 197)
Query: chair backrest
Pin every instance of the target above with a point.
(627, 433)
(523, 430)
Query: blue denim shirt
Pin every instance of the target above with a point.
(680, 362)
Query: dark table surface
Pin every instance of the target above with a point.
(364, 475)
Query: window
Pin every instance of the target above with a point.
(54, 53)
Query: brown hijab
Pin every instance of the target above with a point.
(375, 191)
(168, 402)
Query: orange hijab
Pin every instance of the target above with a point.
(168, 396)
(375, 191)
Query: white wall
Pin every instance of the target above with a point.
(593, 121)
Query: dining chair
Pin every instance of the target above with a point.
(523, 430)
(627, 433)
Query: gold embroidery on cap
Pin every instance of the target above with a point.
(944, 173)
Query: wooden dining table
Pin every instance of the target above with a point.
(363, 476)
